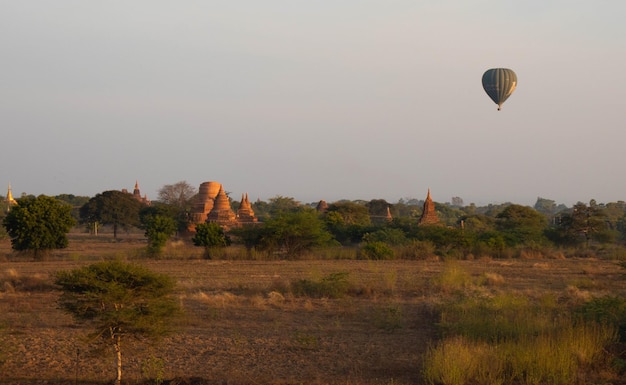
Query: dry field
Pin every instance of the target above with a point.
(241, 325)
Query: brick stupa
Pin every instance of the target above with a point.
(222, 213)
(204, 203)
(245, 213)
(429, 215)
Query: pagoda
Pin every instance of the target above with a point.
(429, 215)
(221, 213)
(204, 203)
(322, 206)
(9, 200)
(245, 213)
(137, 194)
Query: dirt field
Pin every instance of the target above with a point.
(239, 329)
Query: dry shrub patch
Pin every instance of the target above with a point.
(244, 324)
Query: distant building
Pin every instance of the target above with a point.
(429, 215)
(322, 206)
(213, 206)
(245, 213)
(9, 199)
(222, 213)
(137, 194)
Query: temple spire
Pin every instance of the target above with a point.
(9, 199)
(429, 215)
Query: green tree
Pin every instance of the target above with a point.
(583, 223)
(249, 235)
(522, 224)
(39, 224)
(295, 232)
(115, 208)
(280, 204)
(211, 236)
(377, 209)
(119, 300)
(348, 221)
(159, 226)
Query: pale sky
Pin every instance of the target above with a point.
(318, 99)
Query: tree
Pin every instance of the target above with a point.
(178, 194)
(39, 224)
(280, 204)
(295, 232)
(180, 197)
(210, 236)
(545, 206)
(159, 226)
(116, 208)
(119, 299)
(249, 235)
(522, 224)
(590, 222)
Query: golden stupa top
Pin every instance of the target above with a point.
(10, 199)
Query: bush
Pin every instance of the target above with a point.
(610, 310)
(376, 251)
(416, 250)
(334, 285)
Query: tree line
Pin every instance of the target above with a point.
(290, 229)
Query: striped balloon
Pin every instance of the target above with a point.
(499, 84)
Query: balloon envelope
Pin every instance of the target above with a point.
(499, 84)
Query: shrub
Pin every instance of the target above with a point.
(334, 285)
(376, 251)
(416, 250)
(610, 310)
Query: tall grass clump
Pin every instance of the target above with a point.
(509, 340)
(453, 278)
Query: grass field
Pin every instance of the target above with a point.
(244, 324)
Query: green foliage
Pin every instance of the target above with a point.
(294, 232)
(522, 225)
(610, 310)
(177, 199)
(39, 224)
(376, 251)
(582, 225)
(126, 298)
(416, 250)
(347, 221)
(249, 235)
(153, 369)
(388, 235)
(334, 285)
(210, 236)
(116, 208)
(445, 239)
(280, 204)
(119, 300)
(159, 229)
(72, 200)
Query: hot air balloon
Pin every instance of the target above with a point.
(499, 84)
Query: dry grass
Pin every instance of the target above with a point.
(243, 325)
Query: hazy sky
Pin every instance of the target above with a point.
(318, 99)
